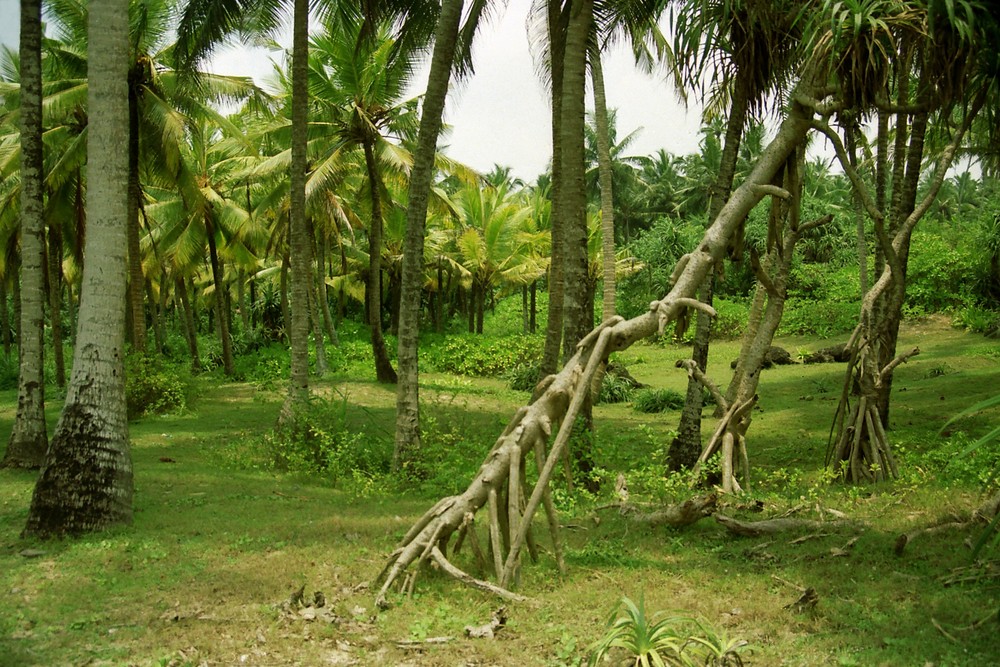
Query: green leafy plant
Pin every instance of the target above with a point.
(615, 389)
(657, 400)
(153, 387)
(665, 641)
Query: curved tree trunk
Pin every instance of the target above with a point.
(559, 399)
(383, 367)
(298, 327)
(86, 483)
(28, 439)
(604, 174)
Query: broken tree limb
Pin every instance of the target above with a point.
(682, 514)
(532, 425)
(469, 580)
(769, 526)
(888, 369)
(983, 514)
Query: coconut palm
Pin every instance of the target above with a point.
(86, 482)
(28, 439)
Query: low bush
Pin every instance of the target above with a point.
(818, 318)
(657, 400)
(523, 377)
(616, 389)
(154, 387)
(482, 356)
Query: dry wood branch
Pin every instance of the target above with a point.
(773, 190)
(982, 515)
(887, 371)
(770, 526)
(676, 516)
(469, 580)
(695, 372)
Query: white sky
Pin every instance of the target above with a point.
(501, 114)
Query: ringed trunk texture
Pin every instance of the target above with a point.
(28, 439)
(86, 482)
(298, 326)
(561, 396)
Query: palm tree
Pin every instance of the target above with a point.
(86, 482)
(28, 439)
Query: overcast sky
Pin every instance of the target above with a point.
(500, 115)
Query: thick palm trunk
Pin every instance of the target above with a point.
(383, 367)
(28, 439)
(557, 22)
(136, 282)
(407, 436)
(298, 328)
(604, 175)
(86, 483)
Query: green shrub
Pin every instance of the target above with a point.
(818, 318)
(482, 356)
(9, 370)
(731, 318)
(978, 319)
(523, 377)
(657, 400)
(153, 387)
(939, 276)
(615, 389)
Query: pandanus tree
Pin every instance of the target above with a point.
(744, 50)
(925, 65)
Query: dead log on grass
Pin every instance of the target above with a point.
(984, 515)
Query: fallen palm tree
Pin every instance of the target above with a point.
(500, 485)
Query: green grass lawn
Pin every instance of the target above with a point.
(217, 546)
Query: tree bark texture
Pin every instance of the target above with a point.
(604, 176)
(298, 327)
(28, 439)
(136, 282)
(86, 482)
(383, 367)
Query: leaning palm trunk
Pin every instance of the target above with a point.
(604, 175)
(86, 483)
(383, 367)
(499, 484)
(28, 441)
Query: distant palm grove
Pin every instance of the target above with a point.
(160, 221)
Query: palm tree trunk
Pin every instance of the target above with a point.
(28, 439)
(55, 301)
(604, 176)
(86, 483)
(286, 317)
(228, 365)
(137, 330)
(5, 317)
(383, 367)
(298, 328)
(571, 210)
(324, 298)
(190, 331)
(407, 434)
(241, 300)
(557, 23)
(317, 329)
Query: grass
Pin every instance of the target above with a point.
(217, 547)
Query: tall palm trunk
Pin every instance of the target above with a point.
(298, 328)
(571, 212)
(55, 301)
(383, 367)
(221, 314)
(137, 330)
(604, 176)
(324, 298)
(557, 23)
(407, 436)
(28, 439)
(86, 482)
(5, 317)
(190, 331)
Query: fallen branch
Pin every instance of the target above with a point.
(769, 526)
(676, 516)
(983, 514)
(471, 581)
